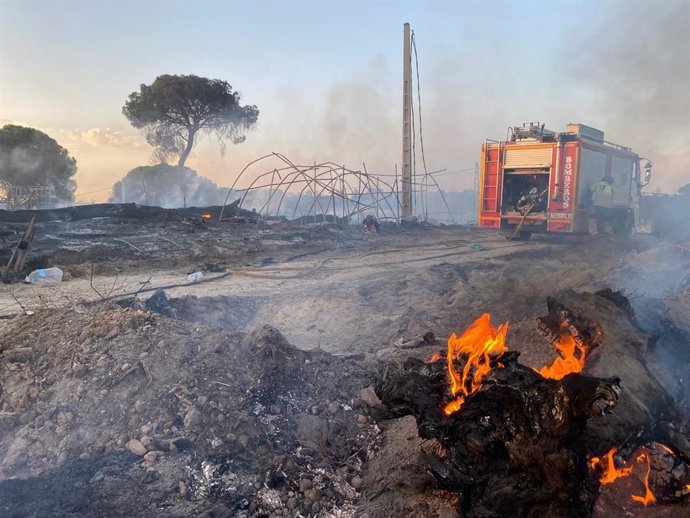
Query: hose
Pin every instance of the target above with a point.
(524, 216)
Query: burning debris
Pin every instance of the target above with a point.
(610, 473)
(513, 438)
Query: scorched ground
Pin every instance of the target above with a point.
(252, 393)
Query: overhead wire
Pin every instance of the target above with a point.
(421, 130)
(425, 186)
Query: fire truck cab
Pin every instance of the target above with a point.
(539, 181)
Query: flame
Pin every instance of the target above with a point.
(434, 358)
(571, 359)
(478, 343)
(608, 467)
(665, 448)
(206, 216)
(610, 473)
(648, 497)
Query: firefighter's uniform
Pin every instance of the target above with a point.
(602, 200)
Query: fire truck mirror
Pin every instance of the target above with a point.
(647, 172)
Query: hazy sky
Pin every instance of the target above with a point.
(326, 76)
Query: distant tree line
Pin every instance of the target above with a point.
(171, 112)
(29, 158)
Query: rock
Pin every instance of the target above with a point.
(305, 484)
(146, 429)
(361, 419)
(430, 338)
(136, 447)
(333, 407)
(113, 333)
(370, 399)
(243, 440)
(314, 495)
(63, 418)
(146, 441)
(448, 512)
(151, 456)
(291, 503)
(192, 420)
(315, 508)
(356, 482)
(275, 409)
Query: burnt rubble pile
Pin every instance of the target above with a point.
(521, 444)
(138, 413)
(513, 449)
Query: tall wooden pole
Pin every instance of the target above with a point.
(406, 199)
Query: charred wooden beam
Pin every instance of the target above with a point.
(586, 333)
(119, 210)
(19, 253)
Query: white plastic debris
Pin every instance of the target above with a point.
(45, 276)
(194, 277)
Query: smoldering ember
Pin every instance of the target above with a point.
(329, 369)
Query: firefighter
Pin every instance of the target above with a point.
(602, 201)
(370, 224)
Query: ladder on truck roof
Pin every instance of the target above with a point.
(489, 185)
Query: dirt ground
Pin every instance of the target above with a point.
(249, 392)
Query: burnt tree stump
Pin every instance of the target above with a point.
(514, 449)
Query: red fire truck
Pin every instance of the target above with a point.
(540, 181)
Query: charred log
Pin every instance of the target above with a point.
(519, 445)
(514, 449)
(132, 211)
(586, 332)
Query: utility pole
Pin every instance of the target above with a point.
(406, 200)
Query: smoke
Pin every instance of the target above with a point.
(619, 66)
(633, 62)
(167, 186)
(24, 162)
